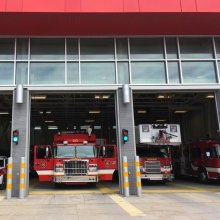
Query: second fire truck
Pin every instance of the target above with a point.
(200, 159)
(154, 143)
(3, 172)
(75, 158)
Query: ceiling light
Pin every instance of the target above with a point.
(180, 111)
(52, 127)
(210, 96)
(102, 96)
(89, 120)
(4, 113)
(39, 97)
(37, 128)
(160, 97)
(160, 120)
(94, 111)
(141, 111)
(49, 121)
(47, 112)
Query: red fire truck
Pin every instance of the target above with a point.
(154, 143)
(3, 172)
(75, 158)
(200, 159)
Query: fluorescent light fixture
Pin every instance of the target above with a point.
(141, 111)
(210, 96)
(49, 120)
(97, 127)
(37, 128)
(94, 111)
(167, 96)
(4, 113)
(160, 97)
(38, 97)
(160, 120)
(52, 127)
(47, 112)
(180, 111)
(89, 120)
(102, 96)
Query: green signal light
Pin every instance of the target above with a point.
(15, 139)
(125, 138)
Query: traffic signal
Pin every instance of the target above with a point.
(125, 135)
(15, 136)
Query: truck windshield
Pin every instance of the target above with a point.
(64, 152)
(152, 152)
(88, 151)
(217, 151)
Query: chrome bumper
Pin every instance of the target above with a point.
(159, 176)
(75, 179)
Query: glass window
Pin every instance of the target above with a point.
(47, 49)
(198, 72)
(217, 46)
(108, 153)
(64, 152)
(199, 152)
(123, 73)
(22, 73)
(122, 48)
(7, 48)
(88, 151)
(193, 153)
(22, 49)
(47, 73)
(72, 73)
(217, 151)
(208, 152)
(97, 49)
(6, 73)
(173, 72)
(98, 73)
(146, 48)
(171, 48)
(196, 48)
(148, 73)
(72, 49)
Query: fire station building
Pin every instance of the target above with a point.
(74, 50)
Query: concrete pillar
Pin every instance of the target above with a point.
(125, 120)
(20, 122)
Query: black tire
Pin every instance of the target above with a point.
(58, 185)
(3, 184)
(162, 181)
(202, 176)
(93, 184)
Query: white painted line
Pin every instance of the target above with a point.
(130, 209)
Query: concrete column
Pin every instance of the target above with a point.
(20, 122)
(125, 120)
(217, 103)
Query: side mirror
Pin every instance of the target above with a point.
(103, 150)
(47, 152)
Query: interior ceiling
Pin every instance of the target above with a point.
(73, 109)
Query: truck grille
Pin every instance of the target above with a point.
(75, 167)
(152, 166)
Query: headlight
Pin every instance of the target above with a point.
(166, 167)
(58, 168)
(93, 167)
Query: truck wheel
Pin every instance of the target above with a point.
(3, 184)
(93, 184)
(202, 176)
(58, 185)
